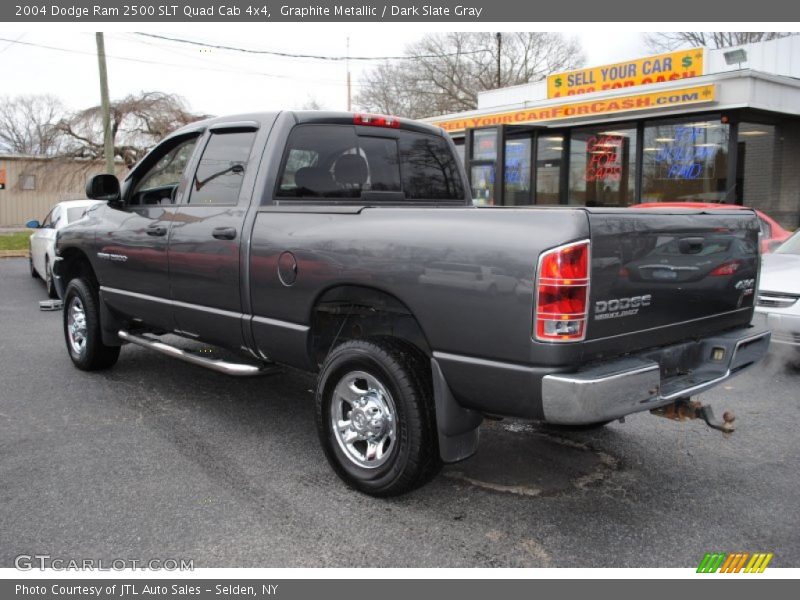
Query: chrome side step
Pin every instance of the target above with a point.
(221, 366)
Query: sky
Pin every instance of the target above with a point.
(217, 81)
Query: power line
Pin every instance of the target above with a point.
(204, 59)
(159, 63)
(11, 43)
(312, 56)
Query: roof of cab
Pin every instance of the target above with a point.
(301, 116)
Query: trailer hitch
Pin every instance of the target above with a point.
(685, 409)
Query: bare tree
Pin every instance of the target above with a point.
(447, 70)
(138, 122)
(671, 40)
(28, 124)
(312, 103)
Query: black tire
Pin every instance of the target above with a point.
(94, 354)
(413, 458)
(48, 279)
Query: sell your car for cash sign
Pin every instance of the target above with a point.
(672, 66)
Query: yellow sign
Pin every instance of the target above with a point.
(652, 69)
(664, 99)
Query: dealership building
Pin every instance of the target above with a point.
(693, 125)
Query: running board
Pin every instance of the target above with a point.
(221, 366)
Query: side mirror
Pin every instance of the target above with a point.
(33, 224)
(103, 187)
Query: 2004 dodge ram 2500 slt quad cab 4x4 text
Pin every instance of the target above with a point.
(348, 245)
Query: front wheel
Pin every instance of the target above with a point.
(34, 274)
(82, 329)
(48, 280)
(375, 416)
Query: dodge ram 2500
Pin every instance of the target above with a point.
(347, 245)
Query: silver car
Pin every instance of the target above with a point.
(42, 243)
(778, 305)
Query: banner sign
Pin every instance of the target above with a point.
(683, 64)
(663, 99)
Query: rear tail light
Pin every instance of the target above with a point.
(727, 268)
(562, 293)
(376, 121)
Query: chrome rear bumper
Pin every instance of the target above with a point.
(607, 391)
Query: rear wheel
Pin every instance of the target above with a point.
(82, 328)
(375, 416)
(48, 279)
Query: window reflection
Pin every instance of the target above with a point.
(685, 161)
(603, 166)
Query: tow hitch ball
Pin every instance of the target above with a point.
(684, 409)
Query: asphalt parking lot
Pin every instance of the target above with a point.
(160, 459)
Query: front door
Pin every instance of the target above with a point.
(132, 242)
(205, 240)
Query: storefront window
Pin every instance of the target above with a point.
(518, 172)
(602, 167)
(549, 150)
(685, 161)
(766, 174)
(484, 144)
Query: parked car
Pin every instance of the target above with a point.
(778, 304)
(42, 243)
(326, 241)
(772, 234)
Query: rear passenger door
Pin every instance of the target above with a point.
(204, 243)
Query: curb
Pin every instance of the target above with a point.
(13, 254)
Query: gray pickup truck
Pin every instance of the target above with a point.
(347, 245)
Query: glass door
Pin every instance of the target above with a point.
(550, 149)
(485, 150)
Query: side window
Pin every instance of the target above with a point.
(221, 170)
(73, 214)
(169, 169)
(315, 155)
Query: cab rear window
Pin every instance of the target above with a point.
(334, 162)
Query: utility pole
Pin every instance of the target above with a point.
(349, 92)
(499, 48)
(108, 141)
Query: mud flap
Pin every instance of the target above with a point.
(458, 427)
(109, 324)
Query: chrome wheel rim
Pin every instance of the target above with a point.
(76, 325)
(364, 419)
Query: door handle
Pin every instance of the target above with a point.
(157, 230)
(224, 233)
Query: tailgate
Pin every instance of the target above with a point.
(677, 273)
